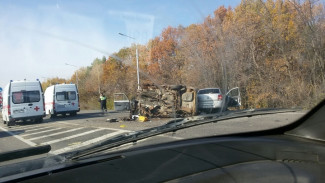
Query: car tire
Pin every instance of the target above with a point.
(52, 116)
(37, 120)
(9, 123)
(176, 87)
(73, 113)
(40, 120)
(224, 109)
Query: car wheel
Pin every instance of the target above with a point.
(9, 123)
(52, 116)
(73, 113)
(40, 120)
(176, 87)
(224, 109)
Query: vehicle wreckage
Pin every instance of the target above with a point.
(169, 101)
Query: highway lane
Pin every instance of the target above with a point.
(69, 133)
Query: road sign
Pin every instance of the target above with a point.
(0, 89)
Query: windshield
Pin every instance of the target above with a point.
(208, 91)
(135, 65)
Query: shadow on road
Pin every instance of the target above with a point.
(87, 115)
(6, 134)
(81, 115)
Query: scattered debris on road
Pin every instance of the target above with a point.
(112, 120)
(143, 119)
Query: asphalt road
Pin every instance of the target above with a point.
(88, 127)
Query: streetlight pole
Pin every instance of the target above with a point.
(98, 80)
(76, 72)
(136, 55)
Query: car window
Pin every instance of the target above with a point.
(33, 96)
(66, 95)
(60, 96)
(71, 95)
(118, 97)
(25, 97)
(233, 92)
(17, 97)
(209, 91)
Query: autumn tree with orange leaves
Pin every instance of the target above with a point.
(274, 50)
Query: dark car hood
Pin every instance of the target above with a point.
(179, 159)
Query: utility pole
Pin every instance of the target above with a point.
(136, 55)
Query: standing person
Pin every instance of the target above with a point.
(103, 102)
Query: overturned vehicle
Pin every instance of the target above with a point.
(167, 101)
(179, 101)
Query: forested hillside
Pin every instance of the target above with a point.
(274, 50)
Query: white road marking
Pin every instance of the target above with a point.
(41, 132)
(37, 128)
(126, 131)
(23, 127)
(29, 128)
(70, 137)
(173, 137)
(69, 148)
(53, 134)
(113, 129)
(69, 123)
(18, 137)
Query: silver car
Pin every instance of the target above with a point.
(212, 100)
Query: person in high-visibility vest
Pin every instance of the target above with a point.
(103, 102)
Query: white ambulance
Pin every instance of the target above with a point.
(62, 99)
(23, 100)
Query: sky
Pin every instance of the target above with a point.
(38, 38)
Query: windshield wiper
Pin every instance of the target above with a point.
(22, 153)
(172, 126)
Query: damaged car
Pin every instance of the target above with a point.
(212, 100)
(180, 100)
(167, 100)
(121, 102)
